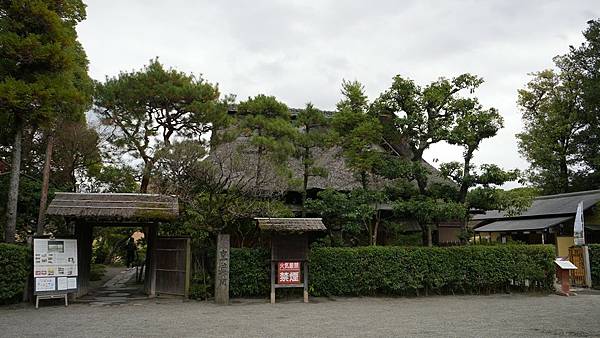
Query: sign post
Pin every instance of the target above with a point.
(222, 273)
(54, 268)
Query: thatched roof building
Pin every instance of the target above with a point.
(339, 176)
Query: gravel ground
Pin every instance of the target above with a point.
(448, 316)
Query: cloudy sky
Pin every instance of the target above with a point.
(301, 50)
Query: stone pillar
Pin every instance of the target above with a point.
(587, 266)
(222, 273)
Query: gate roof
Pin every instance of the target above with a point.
(291, 224)
(115, 207)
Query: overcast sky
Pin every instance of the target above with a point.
(299, 51)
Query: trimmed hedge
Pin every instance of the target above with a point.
(15, 265)
(249, 272)
(406, 271)
(389, 270)
(594, 250)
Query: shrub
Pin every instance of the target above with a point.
(249, 272)
(15, 266)
(405, 271)
(97, 271)
(594, 250)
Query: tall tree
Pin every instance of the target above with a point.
(586, 59)
(313, 137)
(553, 120)
(358, 132)
(424, 116)
(39, 51)
(473, 125)
(148, 108)
(266, 122)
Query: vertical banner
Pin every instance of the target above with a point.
(578, 231)
(222, 273)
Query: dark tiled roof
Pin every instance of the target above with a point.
(115, 207)
(291, 224)
(523, 224)
(551, 205)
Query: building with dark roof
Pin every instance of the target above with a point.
(548, 220)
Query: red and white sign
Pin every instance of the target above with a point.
(288, 273)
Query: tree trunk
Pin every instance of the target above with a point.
(564, 176)
(45, 184)
(464, 186)
(304, 188)
(146, 176)
(375, 229)
(13, 189)
(429, 236)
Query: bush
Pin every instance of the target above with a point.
(15, 266)
(594, 250)
(249, 272)
(97, 271)
(412, 271)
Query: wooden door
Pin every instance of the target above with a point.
(576, 257)
(173, 259)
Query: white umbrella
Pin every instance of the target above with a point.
(578, 231)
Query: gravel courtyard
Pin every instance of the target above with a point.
(449, 316)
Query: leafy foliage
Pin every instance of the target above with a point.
(266, 122)
(15, 266)
(349, 215)
(249, 272)
(409, 271)
(357, 131)
(148, 108)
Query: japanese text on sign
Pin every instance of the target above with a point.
(288, 273)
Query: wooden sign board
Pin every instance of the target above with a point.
(565, 264)
(289, 273)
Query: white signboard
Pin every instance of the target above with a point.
(565, 264)
(56, 260)
(45, 284)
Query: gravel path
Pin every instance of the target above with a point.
(448, 316)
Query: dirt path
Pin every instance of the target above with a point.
(460, 316)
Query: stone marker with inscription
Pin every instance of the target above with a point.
(222, 273)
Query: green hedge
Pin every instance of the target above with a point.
(15, 265)
(249, 272)
(595, 264)
(405, 271)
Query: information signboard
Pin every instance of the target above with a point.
(288, 273)
(55, 265)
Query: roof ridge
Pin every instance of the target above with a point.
(569, 194)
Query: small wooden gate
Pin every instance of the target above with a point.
(576, 257)
(173, 259)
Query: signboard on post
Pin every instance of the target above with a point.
(54, 267)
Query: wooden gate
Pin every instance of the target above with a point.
(576, 257)
(173, 260)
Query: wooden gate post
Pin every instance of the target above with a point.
(222, 273)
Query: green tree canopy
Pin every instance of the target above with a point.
(43, 74)
(358, 132)
(149, 107)
(266, 122)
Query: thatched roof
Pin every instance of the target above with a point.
(291, 224)
(142, 208)
(339, 176)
